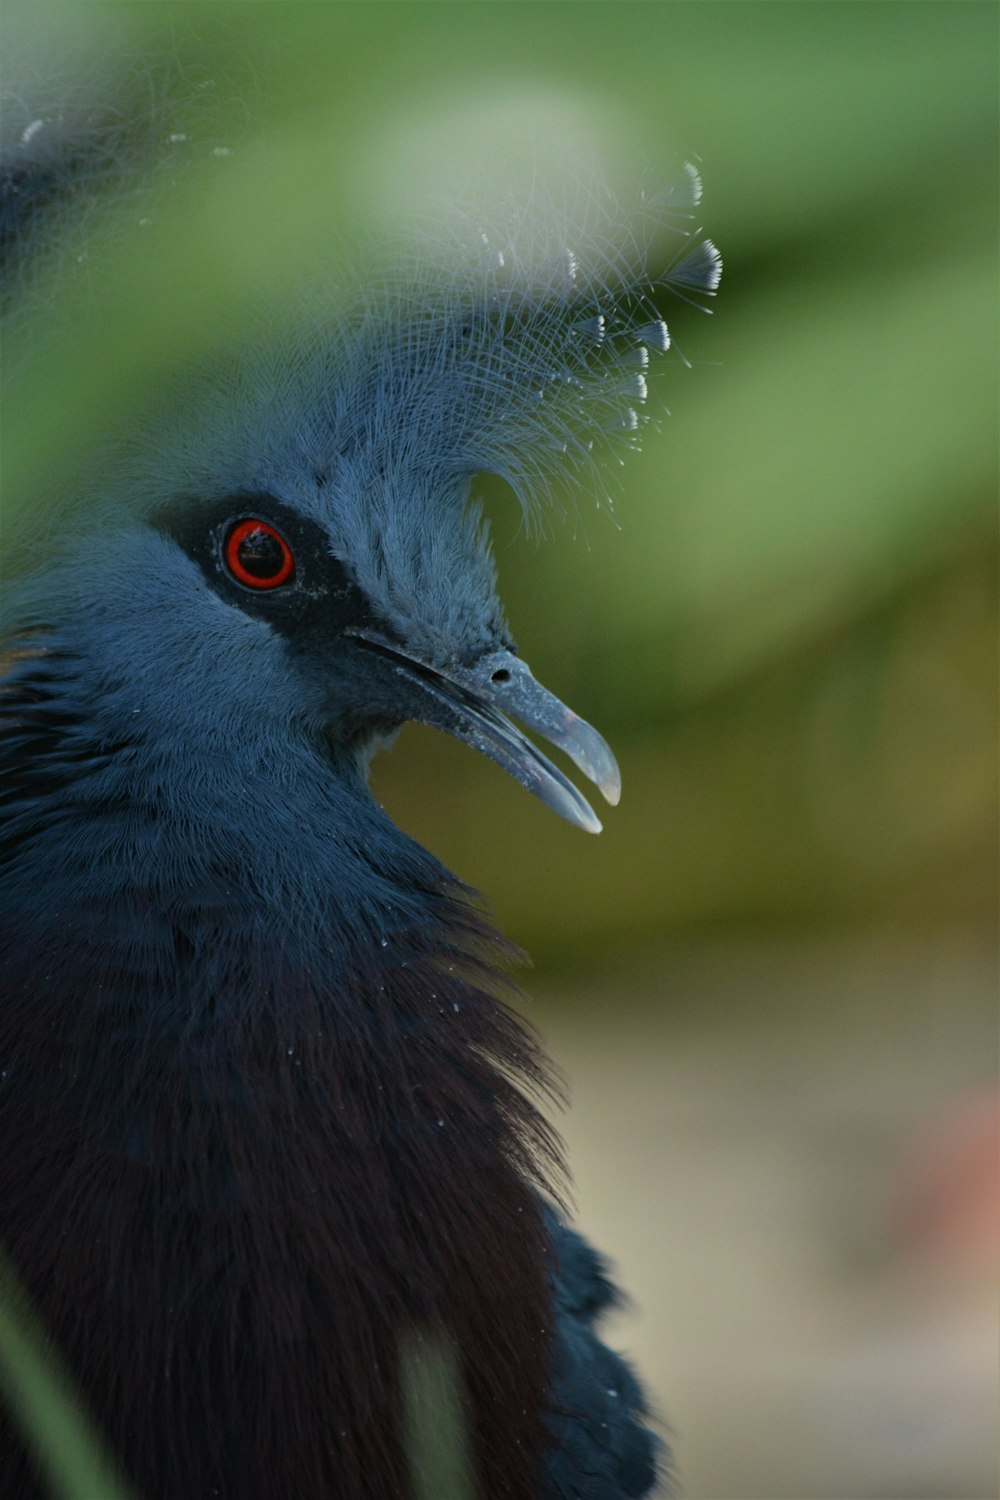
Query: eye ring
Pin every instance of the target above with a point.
(257, 555)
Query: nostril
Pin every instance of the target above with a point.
(501, 674)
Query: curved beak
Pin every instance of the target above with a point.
(477, 704)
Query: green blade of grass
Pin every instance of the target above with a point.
(67, 1450)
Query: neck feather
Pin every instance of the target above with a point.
(272, 1036)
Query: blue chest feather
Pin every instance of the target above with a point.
(251, 1147)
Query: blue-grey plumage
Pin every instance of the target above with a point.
(266, 1107)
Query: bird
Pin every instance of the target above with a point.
(274, 1130)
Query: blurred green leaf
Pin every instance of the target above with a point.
(67, 1449)
(831, 453)
(437, 1438)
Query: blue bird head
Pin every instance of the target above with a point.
(301, 549)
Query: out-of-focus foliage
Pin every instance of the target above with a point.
(437, 1440)
(35, 1389)
(789, 635)
(790, 639)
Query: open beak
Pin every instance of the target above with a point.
(477, 704)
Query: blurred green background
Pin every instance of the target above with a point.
(772, 980)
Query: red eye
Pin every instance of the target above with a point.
(258, 556)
